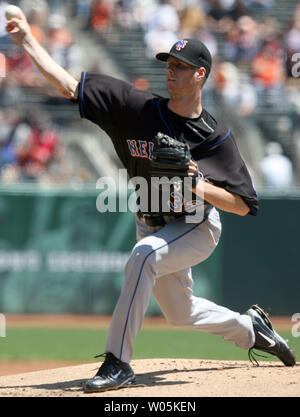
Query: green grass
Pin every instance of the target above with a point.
(82, 345)
(54, 344)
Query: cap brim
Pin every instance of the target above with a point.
(163, 56)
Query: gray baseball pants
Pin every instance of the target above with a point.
(160, 264)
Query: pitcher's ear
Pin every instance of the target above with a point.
(201, 74)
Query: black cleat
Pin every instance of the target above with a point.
(266, 339)
(112, 374)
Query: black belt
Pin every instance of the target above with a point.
(153, 220)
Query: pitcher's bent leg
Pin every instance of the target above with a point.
(174, 295)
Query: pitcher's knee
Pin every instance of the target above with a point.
(142, 257)
(178, 320)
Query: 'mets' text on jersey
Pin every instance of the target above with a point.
(140, 148)
(132, 118)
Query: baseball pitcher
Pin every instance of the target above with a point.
(165, 138)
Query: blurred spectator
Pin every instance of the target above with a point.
(163, 13)
(133, 13)
(217, 15)
(41, 6)
(27, 142)
(4, 127)
(57, 40)
(230, 45)
(242, 42)
(161, 29)
(217, 11)
(35, 148)
(9, 120)
(81, 9)
(293, 102)
(277, 169)
(292, 41)
(269, 29)
(238, 10)
(37, 20)
(141, 84)
(157, 40)
(208, 39)
(128, 14)
(234, 89)
(259, 7)
(3, 66)
(292, 38)
(268, 74)
(10, 174)
(192, 18)
(22, 71)
(60, 169)
(58, 34)
(10, 93)
(61, 47)
(250, 43)
(5, 40)
(101, 14)
(3, 5)
(20, 66)
(222, 13)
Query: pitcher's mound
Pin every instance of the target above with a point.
(164, 378)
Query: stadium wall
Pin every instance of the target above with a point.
(58, 254)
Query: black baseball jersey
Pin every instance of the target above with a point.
(133, 117)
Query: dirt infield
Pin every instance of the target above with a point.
(69, 321)
(93, 321)
(156, 377)
(164, 378)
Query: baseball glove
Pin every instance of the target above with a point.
(170, 158)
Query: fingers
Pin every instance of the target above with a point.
(17, 26)
(12, 25)
(15, 20)
(193, 168)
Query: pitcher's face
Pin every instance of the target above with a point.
(182, 79)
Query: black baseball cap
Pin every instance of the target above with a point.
(190, 51)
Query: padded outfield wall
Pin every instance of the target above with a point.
(58, 254)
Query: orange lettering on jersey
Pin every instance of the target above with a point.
(133, 148)
(176, 203)
(150, 149)
(140, 148)
(143, 148)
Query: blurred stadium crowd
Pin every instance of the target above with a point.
(32, 149)
(256, 49)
